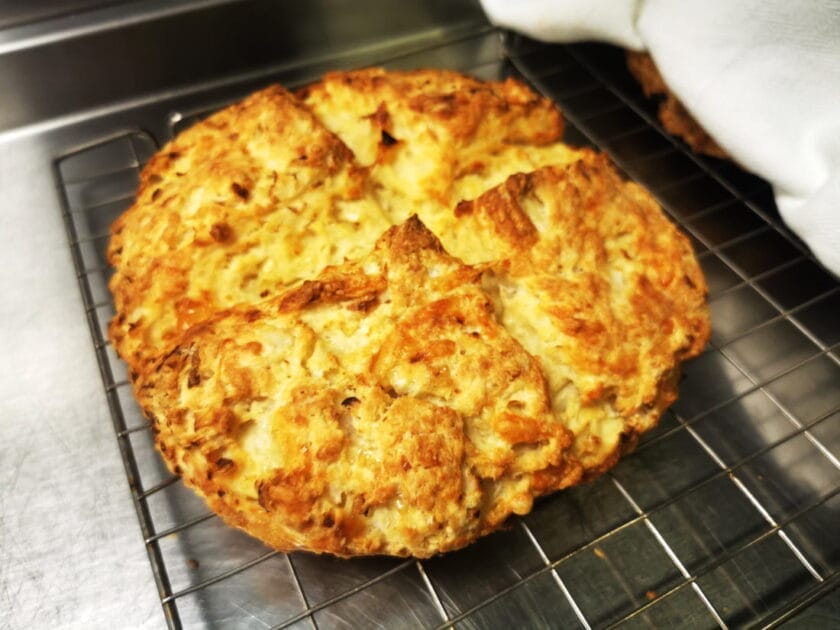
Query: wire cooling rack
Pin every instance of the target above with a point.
(726, 515)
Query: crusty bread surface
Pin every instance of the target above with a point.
(383, 314)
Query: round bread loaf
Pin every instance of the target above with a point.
(384, 314)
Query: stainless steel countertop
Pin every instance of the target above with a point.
(71, 553)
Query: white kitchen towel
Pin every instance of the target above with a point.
(761, 76)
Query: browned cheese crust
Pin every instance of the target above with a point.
(672, 113)
(378, 408)
(236, 207)
(331, 383)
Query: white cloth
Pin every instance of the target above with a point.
(761, 76)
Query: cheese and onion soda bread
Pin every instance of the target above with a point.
(383, 314)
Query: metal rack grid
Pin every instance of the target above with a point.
(724, 516)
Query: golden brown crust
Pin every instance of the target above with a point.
(607, 296)
(672, 113)
(428, 135)
(331, 383)
(216, 205)
(414, 438)
(267, 180)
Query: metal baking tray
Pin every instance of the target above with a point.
(725, 516)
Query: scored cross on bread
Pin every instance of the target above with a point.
(384, 314)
